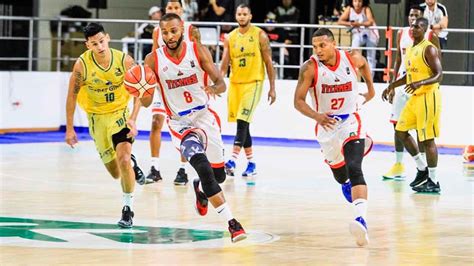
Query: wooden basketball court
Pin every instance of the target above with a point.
(59, 205)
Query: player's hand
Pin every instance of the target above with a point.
(211, 90)
(325, 121)
(355, 24)
(271, 96)
(388, 93)
(133, 128)
(412, 87)
(71, 138)
(367, 96)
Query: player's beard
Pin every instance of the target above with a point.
(243, 25)
(178, 43)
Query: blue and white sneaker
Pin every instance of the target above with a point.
(250, 173)
(229, 167)
(358, 229)
(346, 191)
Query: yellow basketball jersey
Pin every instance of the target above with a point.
(245, 57)
(417, 68)
(103, 90)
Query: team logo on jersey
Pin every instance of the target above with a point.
(180, 73)
(93, 74)
(251, 39)
(192, 63)
(348, 71)
(336, 79)
(118, 72)
(242, 49)
(108, 83)
(165, 69)
(245, 111)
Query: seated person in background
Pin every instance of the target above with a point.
(145, 30)
(358, 16)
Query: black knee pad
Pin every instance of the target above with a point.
(219, 174)
(121, 136)
(206, 174)
(191, 145)
(241, 134)
(353, 155)
(340, 174)
(248, 139)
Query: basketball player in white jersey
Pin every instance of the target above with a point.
(331, 78)
(191, 33)
(399, 99)
(183, 70)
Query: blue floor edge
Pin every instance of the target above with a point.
(83, 134)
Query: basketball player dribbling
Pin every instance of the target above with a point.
(183, 70)
(330, 77)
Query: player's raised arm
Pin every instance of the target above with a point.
(75, 83)
(360, 63)
(305, 79)
(266, 51)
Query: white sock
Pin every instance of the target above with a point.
(225, 212)
(155, 162)
(235, 155)
(420, 162)
(432, 174)
(399, 156)
(423, 155)
(182, 165)
(360, 208)
(127, 200)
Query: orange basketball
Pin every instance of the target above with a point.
(468, 153)
(140, 81)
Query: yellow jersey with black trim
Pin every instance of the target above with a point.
(417, 67)
(245, 56)
(103, 90)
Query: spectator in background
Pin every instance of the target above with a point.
(279, 36)
(190, 10)
(437, 16)
(219, 11)
(145, 30)
(358, 16)
(288, 13)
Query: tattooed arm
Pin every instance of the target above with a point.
(75, 83)
(266, 51)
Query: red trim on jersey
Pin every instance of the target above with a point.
(315, 79)
(189, 32)
(197, 54)
(176, 61)
(350, 61)
(393, 122)
(162, 91)
(430, 35)
(338, 60)
(357, 136)
(315, 82)
(218, 119)
(217, 165)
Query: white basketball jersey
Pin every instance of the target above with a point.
(335, 88)
(186, 34)
(406, 40)
(181, 80)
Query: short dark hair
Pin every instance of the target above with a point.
(424, 21)
(323, 32)
(244, 6)
(365, 3)
(417, 7)
(92, 29)
(174, 1)
(169, 17)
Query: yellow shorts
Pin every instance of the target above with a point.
(242, 100)
(422, 112)
(102, 127)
